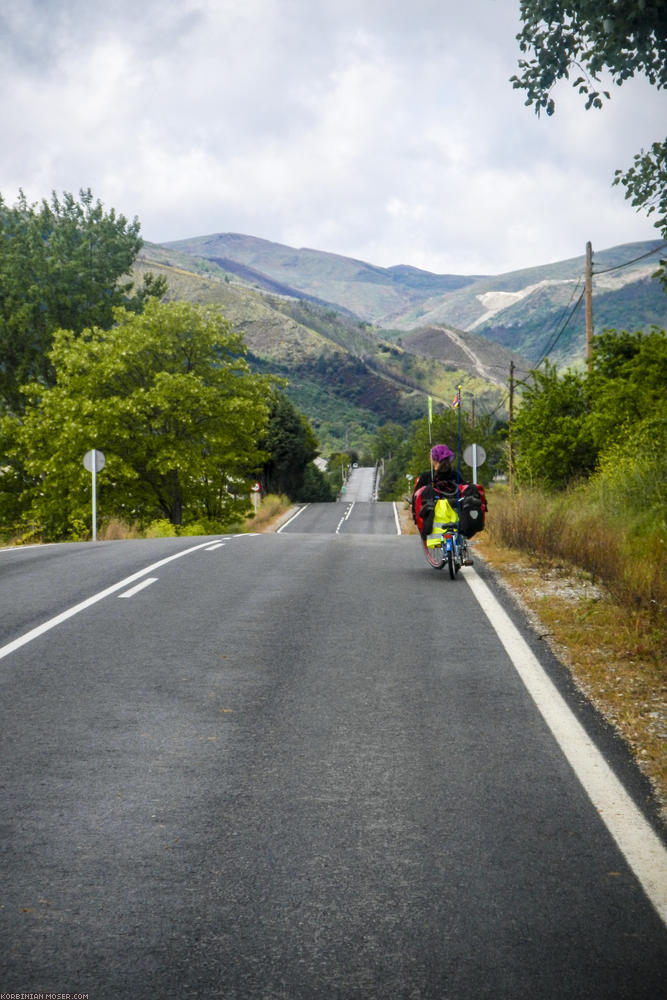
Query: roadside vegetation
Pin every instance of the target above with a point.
(590, 455)
(162, 389)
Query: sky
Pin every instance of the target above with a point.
(384, 130)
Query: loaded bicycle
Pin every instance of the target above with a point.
(446, 510)
(442, 537)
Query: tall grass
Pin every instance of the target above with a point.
(618, 548)
(272, 506)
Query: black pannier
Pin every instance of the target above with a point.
(472, 505)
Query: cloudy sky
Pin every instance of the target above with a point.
(384, 130)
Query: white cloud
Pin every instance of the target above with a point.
(374, 128)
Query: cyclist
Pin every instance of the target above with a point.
(441, 474)
(441, 471)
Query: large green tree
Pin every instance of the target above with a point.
(584, 39)
(167, 396)
(291, 446)
(567, 422)
(62, 265)
(627, 382)
(553, 439)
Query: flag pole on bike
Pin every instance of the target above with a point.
(456, 405)
(430, 432)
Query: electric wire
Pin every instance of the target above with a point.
(563, 328)
(618, 267)
(573, 310)
(559, 320)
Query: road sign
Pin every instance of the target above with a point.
(100, 460)
(469, 455)
(256, 488)
(474, 455)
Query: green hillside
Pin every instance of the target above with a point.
(343, 374)
(370, 293)
(361, 345)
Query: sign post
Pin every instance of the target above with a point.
(94, 461)
(255, 495)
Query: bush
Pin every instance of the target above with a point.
(203, 526)
(162, 528)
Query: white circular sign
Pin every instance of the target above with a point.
(100, 460)
(468, 455)
(256, 488)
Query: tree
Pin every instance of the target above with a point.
(645, 185)
(554, 443)
(586, 37)
(61, 265)
(169, 399)
(387, 441)
(626, 386)
(567, 423)
(291, 446)
(411, 456)
(316, 488)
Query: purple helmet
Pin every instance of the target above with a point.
(441, 453)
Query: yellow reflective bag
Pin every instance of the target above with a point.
(444, 514)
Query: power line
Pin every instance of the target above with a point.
(560, 319)
(643, 256)
(574, 309)
(562, 329)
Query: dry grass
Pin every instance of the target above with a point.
(270, 512)
(567, 527)
(115, 530)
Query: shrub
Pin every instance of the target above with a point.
(162, 528)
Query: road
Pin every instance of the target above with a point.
(300, 765)
(360, 485)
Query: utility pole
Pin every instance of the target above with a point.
(588, 288)
(511, 430)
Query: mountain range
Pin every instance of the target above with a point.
(361, 345)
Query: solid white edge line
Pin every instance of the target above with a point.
(299, 511)
(642, 848)
(397, 519)
(34, 633)
(140, 586)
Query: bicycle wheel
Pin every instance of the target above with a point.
(452, 564)
(434, 557)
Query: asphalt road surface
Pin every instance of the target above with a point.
(301, 765)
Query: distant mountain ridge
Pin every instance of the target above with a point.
(367, 291)
(519, 310)
(361, 345)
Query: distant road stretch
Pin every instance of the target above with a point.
(360, 485)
